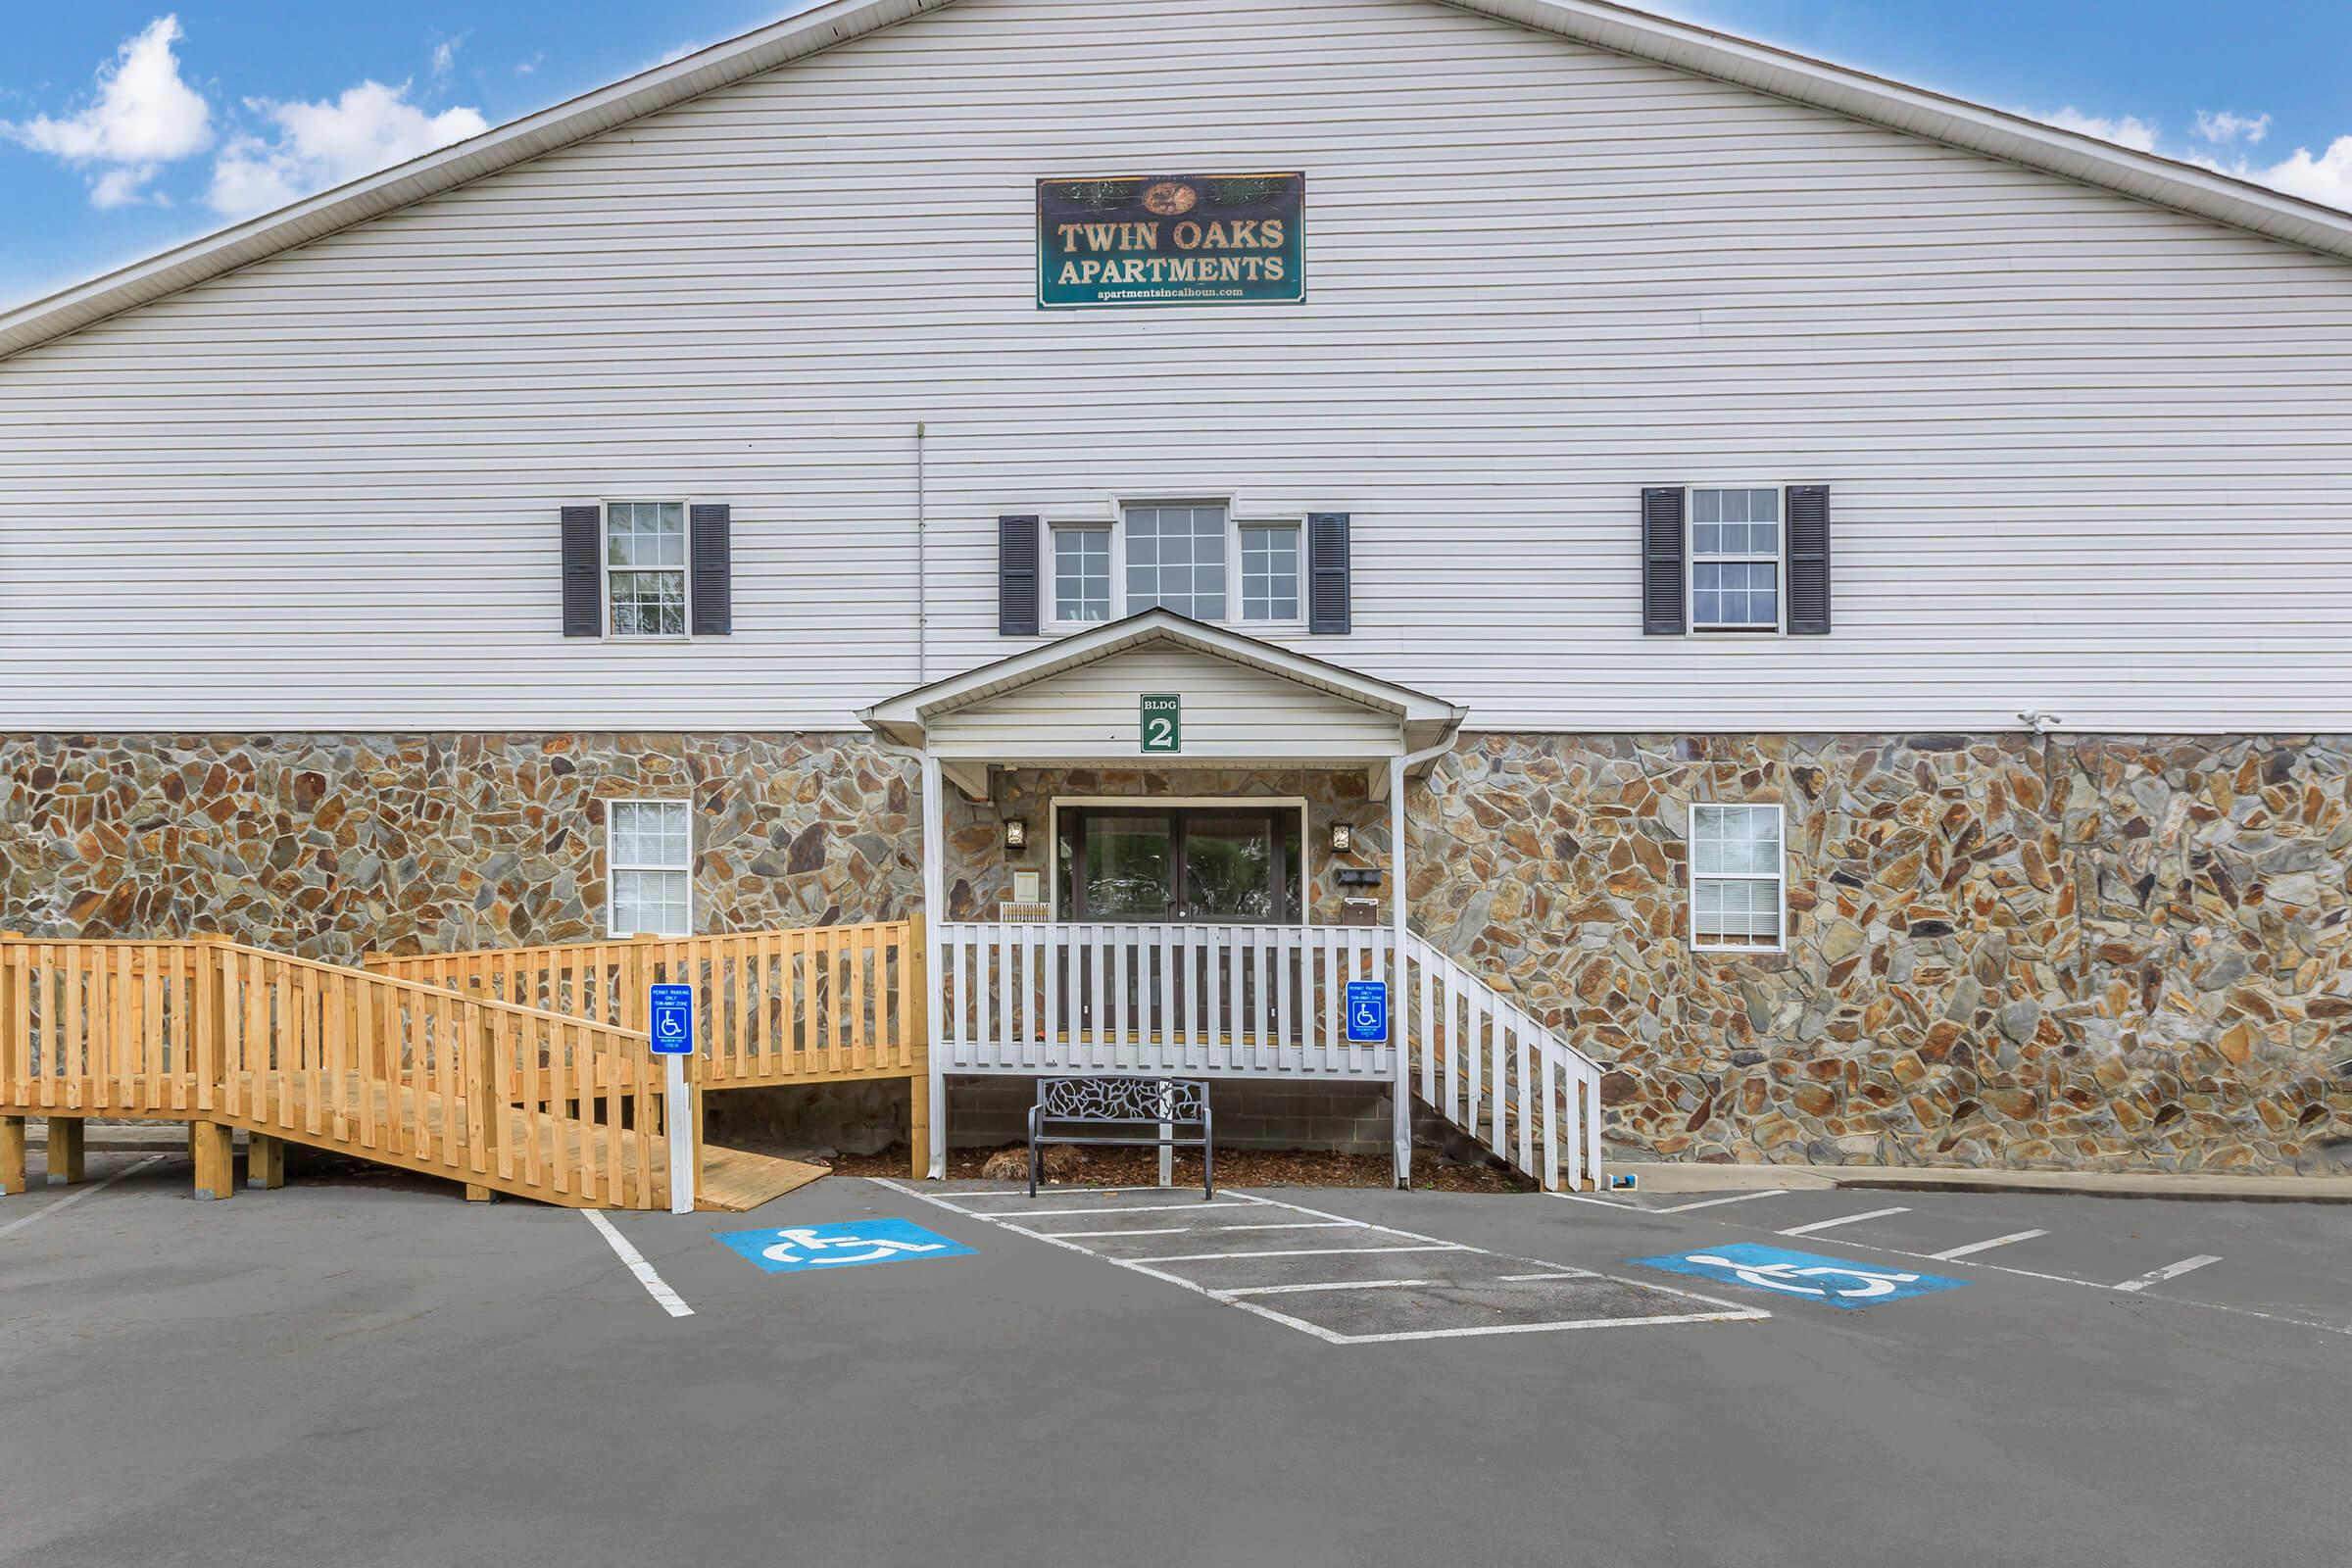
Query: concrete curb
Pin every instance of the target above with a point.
(2177, 1187)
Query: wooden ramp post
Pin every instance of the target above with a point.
(216, 1158)
(265, 1162)
(68, 1147)
(14, 1069)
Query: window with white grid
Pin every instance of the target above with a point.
(649, 856)
(644, 568)
(1269, 573)
(1176, 560)
(1737, 877)
(1735, 559)
(1081, 574)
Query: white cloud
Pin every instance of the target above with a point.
(445, 53)
(2227, 127)
(523, 68)
(315, 145)
(2127, 131)
(144, 115)
(2326, 179)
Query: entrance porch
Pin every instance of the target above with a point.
(1200, 908)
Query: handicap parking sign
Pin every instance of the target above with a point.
(1826, 1280)
(800, 1248)
(1367, 1011)
(672, 1010)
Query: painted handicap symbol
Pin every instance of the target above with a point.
(796, 1249)
(1836, 1281)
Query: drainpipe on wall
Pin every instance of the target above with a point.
(1402, 1096)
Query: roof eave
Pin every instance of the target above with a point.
(1919, 112)
(557, 125)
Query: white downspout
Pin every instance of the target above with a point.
(922, 565)
(1398, 1011)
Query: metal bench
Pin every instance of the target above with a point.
(1171, 1107)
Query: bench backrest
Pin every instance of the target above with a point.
(1143, 1102)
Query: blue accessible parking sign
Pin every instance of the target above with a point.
(796, 1249)
(673, 1012)
(1829, 1280)
(1367, 1011)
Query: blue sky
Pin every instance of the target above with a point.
(128, 126)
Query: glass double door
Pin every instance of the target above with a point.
(1209, 865)
(1188, 865)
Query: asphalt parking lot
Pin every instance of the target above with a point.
(351, 1371)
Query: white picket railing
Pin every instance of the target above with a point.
(1268, 1001)
(1489, 1068)
(1232, 1001)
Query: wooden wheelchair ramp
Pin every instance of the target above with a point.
(499, 1097)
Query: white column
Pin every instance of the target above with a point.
(1404, 1092)
(935, 911)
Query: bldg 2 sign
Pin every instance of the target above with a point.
(1175, 239)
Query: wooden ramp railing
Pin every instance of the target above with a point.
(480, 1090)
(822, 1005)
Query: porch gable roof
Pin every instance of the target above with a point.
(1423, 722)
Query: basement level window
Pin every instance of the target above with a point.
(1737, 879)
(650, 860)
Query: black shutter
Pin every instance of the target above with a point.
(1662, 603)
(1808, 560)
(1017, 576)
(709, 530)
(583, 577)
(1328, 611)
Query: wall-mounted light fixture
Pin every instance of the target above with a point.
(1342, 838)
(1016, 833)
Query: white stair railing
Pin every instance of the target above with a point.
(1489, 1068)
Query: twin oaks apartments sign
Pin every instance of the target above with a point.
(1178, 240)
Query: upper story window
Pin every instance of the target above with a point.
(1737, 878)
(644, 568)
(1735, 559)
(650, 859)
(1190, 558)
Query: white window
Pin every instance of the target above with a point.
(644, 568)
(1735, 878)
(1081, 574)
(649, 856)
(1188, 556)
(1269, 571)
(1176, 560)
(1735, 559)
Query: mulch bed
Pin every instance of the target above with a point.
(1235, 1167)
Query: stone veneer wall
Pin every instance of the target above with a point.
(336, 845)
(2086, 952)
(2082, 952)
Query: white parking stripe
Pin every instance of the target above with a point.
(1710, 1203)
(1297, 1225)
(1099, 1210)
(1515, 1279)
(1310, 1251)
(1336, 1285)
(1722, 1311)
(1845, 1220)
(71, 1198)
(1985, 1246)
(2170, 1271)
(1158, 1230)
(655, 1285)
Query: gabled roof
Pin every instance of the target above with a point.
(1423, 720)
(1701, 51)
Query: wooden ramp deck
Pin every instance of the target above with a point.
(498, 1096)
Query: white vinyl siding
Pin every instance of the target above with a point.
(1230, 712)
(649, 852)
(1539, 276)
(1738, 899)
